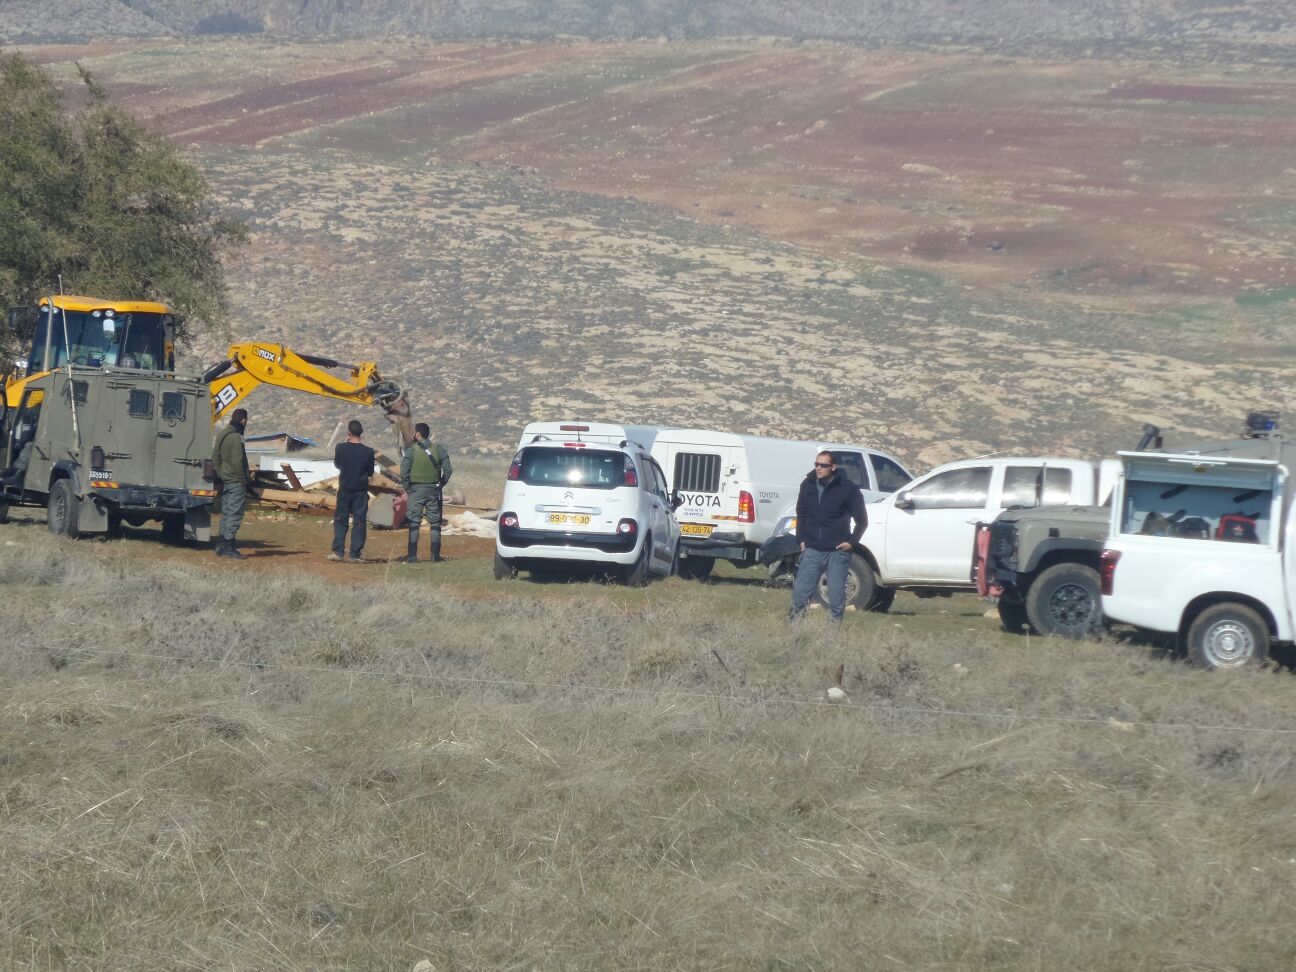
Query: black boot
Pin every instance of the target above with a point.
(436, 552)
(219, 546)
(229, 550)
(411, 556)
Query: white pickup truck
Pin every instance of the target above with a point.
(1202, 546)
(920, 538)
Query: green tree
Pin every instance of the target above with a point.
(88, 193)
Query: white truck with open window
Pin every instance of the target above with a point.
(1202, 546)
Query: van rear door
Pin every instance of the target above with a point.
(704, 477)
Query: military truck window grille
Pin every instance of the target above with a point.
(1020, 481)
(140, 404)
(697, 472)
(78, 389)
(173, 406)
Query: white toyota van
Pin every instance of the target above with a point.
(734, 488)
(586, 494)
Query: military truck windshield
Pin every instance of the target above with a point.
(95, 340)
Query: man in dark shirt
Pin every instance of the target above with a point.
(355, 463)
(826, 506)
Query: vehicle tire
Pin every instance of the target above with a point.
(173, 529)
(503, 569)
(696, 568)
(63, 509)
(862, 588)
(1228, 636)
(636, 575)
(4, 512)
(1012, 615)
(883, 600)
(675, 562)
(1066, 600)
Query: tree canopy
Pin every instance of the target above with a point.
(88, 193)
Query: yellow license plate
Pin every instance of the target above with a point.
(577, 519)
(696, 529)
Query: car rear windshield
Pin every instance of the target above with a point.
(581, 468)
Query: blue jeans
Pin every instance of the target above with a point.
(810, 568)
(353, 506)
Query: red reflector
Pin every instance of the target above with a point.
(508, 520)
(573, 428)
(1107, 570)
(746, 507)
(627, 527)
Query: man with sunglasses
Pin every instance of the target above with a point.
(827, 505)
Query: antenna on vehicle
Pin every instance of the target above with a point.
(71, 385)
(988, 455)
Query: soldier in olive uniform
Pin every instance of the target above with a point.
(425, 469)
(230, 459)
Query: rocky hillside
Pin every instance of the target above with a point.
(1204, 26)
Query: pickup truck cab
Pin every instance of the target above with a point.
(920, 538)
(1202, 547)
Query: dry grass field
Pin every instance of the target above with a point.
(992, 253)
(251, 767)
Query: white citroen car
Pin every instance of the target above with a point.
(586, 494)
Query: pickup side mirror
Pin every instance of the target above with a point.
(676, 501)
(904, 501)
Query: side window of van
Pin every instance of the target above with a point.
(852, 464)
(1020, 482)
(957, 489)
(890, 474)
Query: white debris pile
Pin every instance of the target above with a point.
(468, 524)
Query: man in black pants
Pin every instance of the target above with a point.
(355, 463)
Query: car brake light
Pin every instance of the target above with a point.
(573, 428)
(509, 520)
(631, 477)
(746, 507)
(574, 445)
(1107, 573)
(627, 527)
(515, 468)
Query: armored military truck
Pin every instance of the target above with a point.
(96, 427)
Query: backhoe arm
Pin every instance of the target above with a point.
(253, 363)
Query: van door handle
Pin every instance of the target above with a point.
(164, 435)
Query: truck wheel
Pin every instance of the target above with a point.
(1228, 636)
(862, 588)
(636, 575)
(1012, 616)
(696, 568)
(173, 529)
(4, 512)
(1065, 600)
(63, 509)
(503, 569)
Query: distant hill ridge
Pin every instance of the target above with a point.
(1201, 24)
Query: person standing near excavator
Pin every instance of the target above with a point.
(230, 459)
(425, 469)
(355, 463)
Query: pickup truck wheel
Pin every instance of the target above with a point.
(862, 588)
(4, 512)
(696, 568)
(63, 510)
(1066, 600)
(1228, 636)
(1012, 615)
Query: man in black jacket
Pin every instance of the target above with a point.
(826, 506)
(355, 463)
